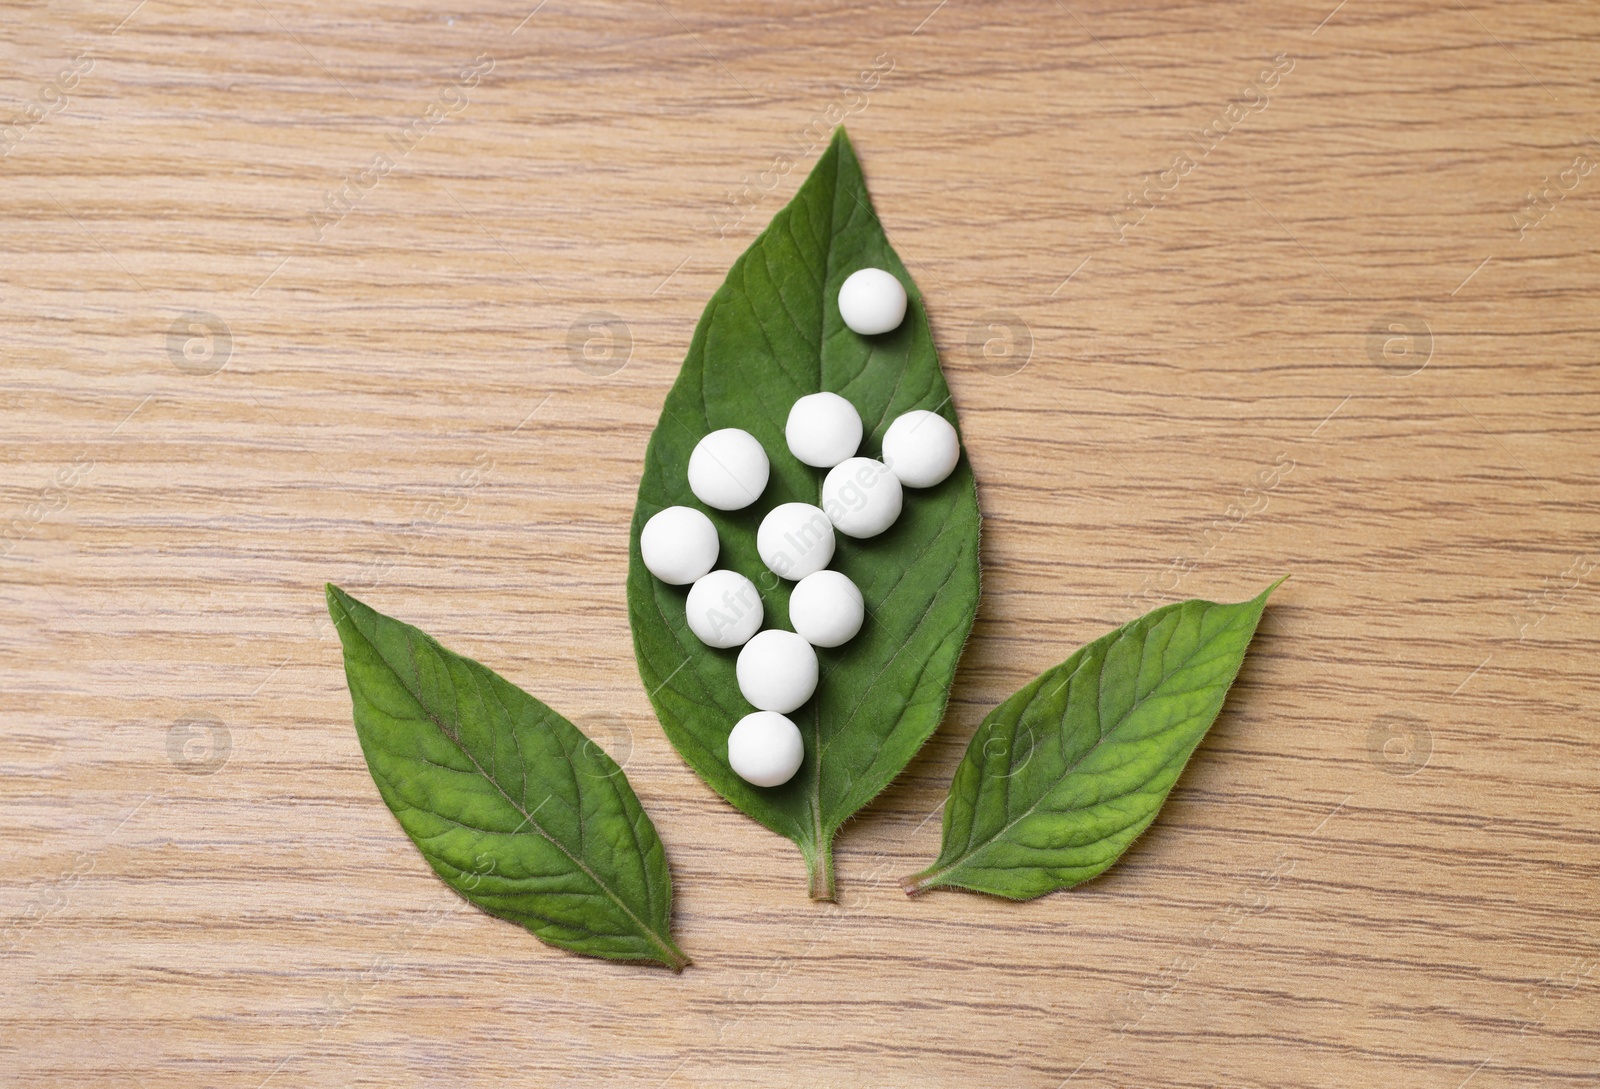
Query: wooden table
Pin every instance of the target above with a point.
(243, 356)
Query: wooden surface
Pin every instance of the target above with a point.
(1381, 867)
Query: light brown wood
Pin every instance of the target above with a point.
(1379, 870)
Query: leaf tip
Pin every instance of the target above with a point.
(1279, 581)
(339, 602)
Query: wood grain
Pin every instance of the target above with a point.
(1380, 868)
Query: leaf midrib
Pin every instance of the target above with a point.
(970, 850)
(814, 794)
(533, 825)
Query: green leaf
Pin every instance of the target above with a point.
(771, 334)
(1064, 775)
(510, 804)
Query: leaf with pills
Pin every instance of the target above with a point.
(1064, 775)
(509, 802)
(770, 335)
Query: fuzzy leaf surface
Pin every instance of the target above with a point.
(510, 803)
(1063, 776)
(770, 335)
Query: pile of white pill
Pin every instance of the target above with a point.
(861, 497)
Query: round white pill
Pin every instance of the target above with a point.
(921, 448)
(861, 497)
(823, 429)
(872, 301)
(826, 609)
(765, 749)
(777, 670)
(728, 469)
(795, 539)
(724, 609)
(679, 545)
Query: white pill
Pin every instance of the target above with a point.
(823, 429)
(872, 301)
(728, 469)
(679, 545)
(921, 448)
(826, 609)
(724, 609)
(795, 539)
(765, 749)
(777, 670)
(861, 497)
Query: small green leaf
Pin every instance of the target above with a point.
(770, 335)
(510, 804)
(1064, 775)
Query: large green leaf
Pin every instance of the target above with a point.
(1064, 775)
(510, 804)
(771, 334)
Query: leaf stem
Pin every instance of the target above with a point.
(819, 866)
(921, 882)
(675, 958)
